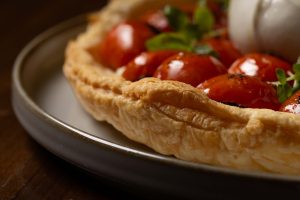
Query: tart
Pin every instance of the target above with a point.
(175, 118)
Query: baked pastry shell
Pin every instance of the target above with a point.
(174, 118)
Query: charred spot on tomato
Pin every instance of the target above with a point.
(236, 76)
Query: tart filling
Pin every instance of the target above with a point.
(175, 113)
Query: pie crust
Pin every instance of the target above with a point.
(174, 118)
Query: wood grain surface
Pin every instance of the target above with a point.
(27, 170)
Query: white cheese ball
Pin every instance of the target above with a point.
(266, 26)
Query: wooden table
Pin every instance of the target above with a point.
(27, 170)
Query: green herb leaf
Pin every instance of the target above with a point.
(281, 76)
(217, 33)
(284, 90)
(177, 19)
(187, 31)
(296, 69)
(169, 41)
(204, 49)
(204, 19)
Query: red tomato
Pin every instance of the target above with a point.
(219, 13)
(225, 49)
(157, 20)
(241, 90)
(145, 64)
(292, 104)
(123, 43)
(260, 65)
(189, 68)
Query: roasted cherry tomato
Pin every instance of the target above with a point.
(145, 64)
(241, 90)
(123, 43)
(157, 20)
(226, 51)
(219, 13)
(260, 65)
(189, 68)
(292, 104)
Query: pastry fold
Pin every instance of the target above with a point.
(174, 118)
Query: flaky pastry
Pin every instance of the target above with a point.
(174, 118)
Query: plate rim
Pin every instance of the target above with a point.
(68, 129)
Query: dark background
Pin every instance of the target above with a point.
(27, 170)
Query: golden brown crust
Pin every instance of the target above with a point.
(174, 118)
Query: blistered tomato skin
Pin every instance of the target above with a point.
(123, 43)
(260, 65)
(189, 68)
(145, 64)
(292, 104)
(241, 90)
(227, 53)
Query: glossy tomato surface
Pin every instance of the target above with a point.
(227, 53)
(157, 20)
(189, 68)
(292, 104)
(123, 43)
(241, 90)
(145, 64)
(260, 65)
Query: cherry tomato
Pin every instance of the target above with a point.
(292, 104)
(123, 43)
(225, 49)
(157, 20)
(145, 64)
(189, 68)
(260, 65)
(219, 13)
(241, 90)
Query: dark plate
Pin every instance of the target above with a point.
(47, 108)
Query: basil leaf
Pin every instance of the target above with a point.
(284, 90)
(215, 33)
(281, 76)
(204, 19)
(204, 49)
(177, 19)
(191, 31)
(296, 69)
(169, 41)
